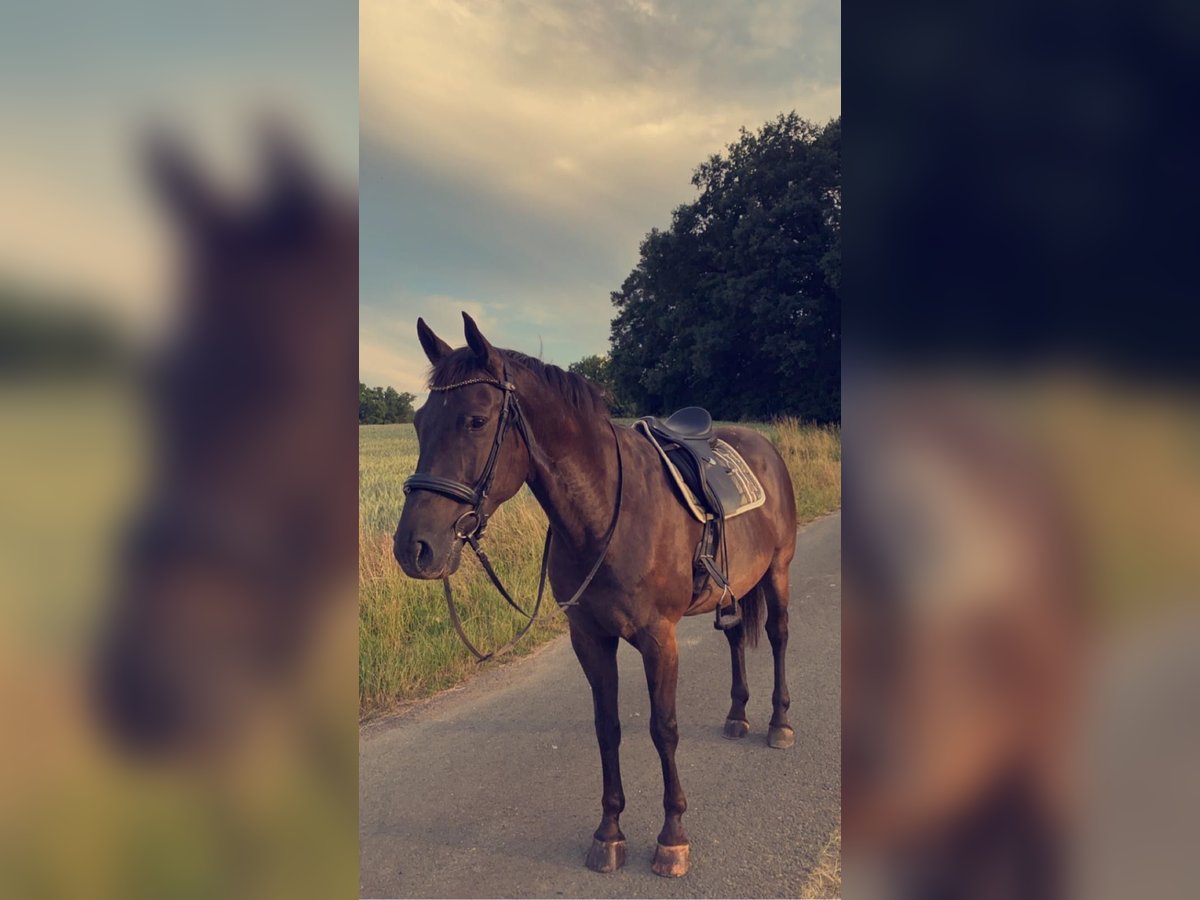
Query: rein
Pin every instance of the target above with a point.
(469, 528)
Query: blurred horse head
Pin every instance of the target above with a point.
(249, 522)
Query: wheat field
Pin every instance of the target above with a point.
(407, 647)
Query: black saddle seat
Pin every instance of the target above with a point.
(688, 438)
(690, 424)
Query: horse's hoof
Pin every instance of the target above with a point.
(736, 728)
(606, 856)
(780, 737)
(671, 862)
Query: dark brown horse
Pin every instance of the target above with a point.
(566, 450)
(246, 537)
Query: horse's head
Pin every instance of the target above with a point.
(473, 453)
(251, 504)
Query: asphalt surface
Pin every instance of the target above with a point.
(493, 789)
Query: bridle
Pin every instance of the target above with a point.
(475, 497)
(469, 528)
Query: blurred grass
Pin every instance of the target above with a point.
(78, 819)
(1126, 458)
(407, 647)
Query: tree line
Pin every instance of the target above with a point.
(384, 406)
(737, 305)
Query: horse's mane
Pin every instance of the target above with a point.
(580, 394)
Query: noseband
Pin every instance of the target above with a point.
(469, 528)
(475, 497)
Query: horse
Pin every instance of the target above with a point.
(246, 536)
(617, 528)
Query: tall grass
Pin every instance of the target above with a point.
(268, 818)
(407, 646)
(825, 879)
(814, 459)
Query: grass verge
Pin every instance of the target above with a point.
(407, 647)
(825, 879)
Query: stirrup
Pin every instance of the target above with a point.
(727, 622)
(729, 619)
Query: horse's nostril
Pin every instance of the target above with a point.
(416, 557)
(423, 555)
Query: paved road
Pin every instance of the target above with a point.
(493, 790)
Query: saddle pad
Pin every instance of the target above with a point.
(729, 467)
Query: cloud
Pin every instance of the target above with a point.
(391, 354)
(514, 154)
(63, 234)
(381, 363)
(590, 113)
(389, 351)
(76, 218)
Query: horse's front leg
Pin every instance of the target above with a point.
(660, 655)
(597, 655)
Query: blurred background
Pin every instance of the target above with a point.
(178, 227)
(1021, 471)
(1021, 632)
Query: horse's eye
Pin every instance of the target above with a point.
(476, 422)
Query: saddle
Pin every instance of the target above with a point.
(715, 483)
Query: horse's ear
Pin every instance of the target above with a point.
(435, 348)
(290, 179)
(486, 354)
(174, 176)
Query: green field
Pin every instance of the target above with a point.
(407, 647)
(77, 818)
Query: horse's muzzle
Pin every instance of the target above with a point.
(424, 559)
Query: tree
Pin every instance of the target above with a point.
(381, 406)
(598, 369)
(737, 306)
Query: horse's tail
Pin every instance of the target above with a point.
(752, 615)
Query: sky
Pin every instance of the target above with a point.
(79, 81)
(513, 155)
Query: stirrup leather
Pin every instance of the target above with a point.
(705, 567)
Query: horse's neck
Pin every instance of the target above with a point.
(573, 474)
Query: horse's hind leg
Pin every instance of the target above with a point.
(597, 655)
(775, 587)
(736, 725)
